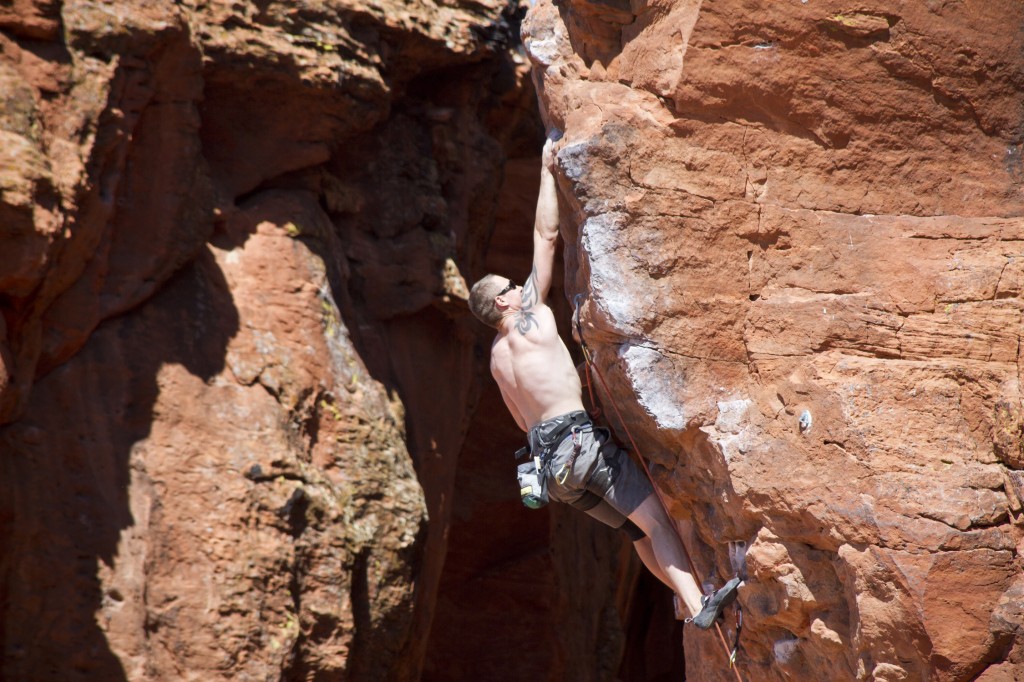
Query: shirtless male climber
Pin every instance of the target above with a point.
(542, 390)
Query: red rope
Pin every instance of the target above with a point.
(661, 497)
(595, 411)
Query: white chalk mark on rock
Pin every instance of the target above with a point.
(655, 382)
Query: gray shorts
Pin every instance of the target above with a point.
(603, 481)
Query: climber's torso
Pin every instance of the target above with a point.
(533, 368)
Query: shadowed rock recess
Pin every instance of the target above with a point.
(246, 426)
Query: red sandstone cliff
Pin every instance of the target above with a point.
(812, 207)
(235, 368)
(247, 431)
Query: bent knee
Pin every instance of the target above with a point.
(633, 531)
(649, 514)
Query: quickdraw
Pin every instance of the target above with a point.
(577, 445)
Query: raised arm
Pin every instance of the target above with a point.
(545, 233)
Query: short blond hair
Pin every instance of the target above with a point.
(481, 299)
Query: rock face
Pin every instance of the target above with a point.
(246, 430)
(236, 367)
(799, 228)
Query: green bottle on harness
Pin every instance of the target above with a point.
(533, 484)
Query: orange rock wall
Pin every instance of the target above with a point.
(811, 208)
(247, 430)
(236, 366)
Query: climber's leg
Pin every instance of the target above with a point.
(668, 551)
(646, 553)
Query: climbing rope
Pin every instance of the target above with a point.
(591, 366)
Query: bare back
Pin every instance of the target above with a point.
(534, 370)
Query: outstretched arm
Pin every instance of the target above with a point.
(545, 233)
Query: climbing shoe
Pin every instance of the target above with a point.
(713, 605)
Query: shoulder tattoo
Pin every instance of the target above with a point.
(526, 319)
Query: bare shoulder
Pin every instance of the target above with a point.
(499, 348)
(533, 305)
(500, 354)
(534, 320)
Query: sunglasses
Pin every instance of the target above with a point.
(510, 287)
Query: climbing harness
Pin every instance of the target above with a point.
(591, 366)
(533, 474)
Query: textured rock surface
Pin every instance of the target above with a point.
(235, 366)
(236, 375)
(812, 207)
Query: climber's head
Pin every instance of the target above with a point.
(492, 296)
